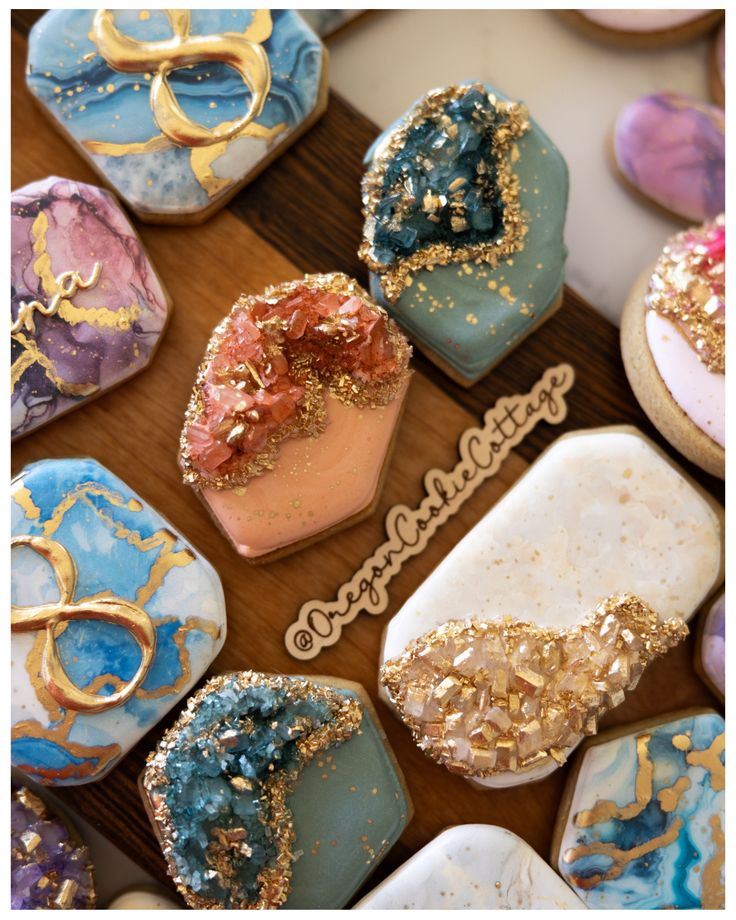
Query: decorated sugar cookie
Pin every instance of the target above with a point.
(642, 823)
(637, 28)
(464, 201)
(717, 67)
(325, 22)
(673, 343)
(50, 868)
(671, 149)
(544, 616)
(293, 414)
(114, 618)
(144, 897)
(274, 791)
(710, 659)
(473, 867)
(87, 307)
(178, 109)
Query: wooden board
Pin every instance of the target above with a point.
(303, 215)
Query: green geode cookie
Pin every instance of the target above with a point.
(274, 791)
(464, 201)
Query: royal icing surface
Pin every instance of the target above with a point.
(599, 513)
(473, 867)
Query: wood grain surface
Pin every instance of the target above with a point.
(303, 215)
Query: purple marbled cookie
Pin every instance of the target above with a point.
(713, 645)
(672, 149)
(87, 307)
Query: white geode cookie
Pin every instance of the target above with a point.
(549, 609)
(473, 867)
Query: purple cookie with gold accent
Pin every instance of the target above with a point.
(87, 307)
(672, 150)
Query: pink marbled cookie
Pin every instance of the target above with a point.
(672, 149)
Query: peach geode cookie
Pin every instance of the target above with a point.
(673, 343)
(293, 413)
(547, 612)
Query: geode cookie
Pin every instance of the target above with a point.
(464, 201)
(178, 109)
(671, 149)
(50, 868)
(673, 343)
(546, 613)
(273, 790)
(87, 307)
(473, 867)
(642, 822)
(293, 413)
(114, 618)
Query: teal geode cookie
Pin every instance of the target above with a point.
(272, 791)
(178, 109)
(464, 201)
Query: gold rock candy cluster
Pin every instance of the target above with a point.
(488, 697)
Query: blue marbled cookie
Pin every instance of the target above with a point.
(104, 103)
(645, 824)
(93, 564)
(468, 314)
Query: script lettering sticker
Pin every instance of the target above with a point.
(319, 623)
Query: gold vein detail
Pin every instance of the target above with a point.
(485, 697)
(513, 123)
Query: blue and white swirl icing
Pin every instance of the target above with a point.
(120, 546)
(645, 826)
(94, 103)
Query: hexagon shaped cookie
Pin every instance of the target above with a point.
(473, 867)
(178, 109)
(293, 414)
(274, 791)
(642, 822)
(87, 307)
(114, 618)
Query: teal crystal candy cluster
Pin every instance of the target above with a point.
(441, 187)
(218, 783)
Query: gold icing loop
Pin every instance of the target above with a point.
(67, 285)
(49, 617)
(128, 55)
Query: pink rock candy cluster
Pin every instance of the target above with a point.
(270, 357)
(689, 287)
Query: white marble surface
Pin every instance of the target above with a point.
(574, 88)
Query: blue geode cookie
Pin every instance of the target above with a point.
(644, 825)
(178, 109)
(115, 617)
(464, 201)
(273, 790)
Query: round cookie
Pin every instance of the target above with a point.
(717, 67)
(671, 150)
(464, 199)
(673, 344)
(710, 653)
(144, 897)
(643, 29)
